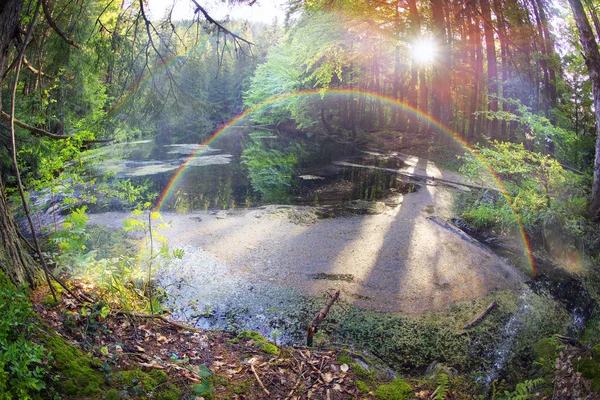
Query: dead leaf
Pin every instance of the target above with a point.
(344, 367)
(327, 377)
(140, 349)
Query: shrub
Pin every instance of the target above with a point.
(22, 368)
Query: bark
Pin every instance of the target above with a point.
(415, 28)
(15, 263)
(592, 61)
(477, 62)
(490, 47)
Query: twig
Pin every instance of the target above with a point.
(300, 374)
(258, 379)
(314, 325)
(481, 316)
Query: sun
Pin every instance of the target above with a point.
(424, 50)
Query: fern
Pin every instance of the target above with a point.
(524, 390)
(443, 389)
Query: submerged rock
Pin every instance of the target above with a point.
(365, 207)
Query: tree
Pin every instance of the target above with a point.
(16, 264)
(592, 61)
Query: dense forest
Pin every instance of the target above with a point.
(498, 101)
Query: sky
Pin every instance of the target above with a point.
(261, 11)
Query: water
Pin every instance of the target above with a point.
(240, 171)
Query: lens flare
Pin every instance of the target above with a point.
(424, 50)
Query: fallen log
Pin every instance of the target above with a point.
(481, 316)
(314, 325)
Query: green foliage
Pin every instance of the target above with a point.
(570, 147)
(23, 364)
(524, 390)
(539, 192)
(441, 391)
(71, 241)
(397, 389)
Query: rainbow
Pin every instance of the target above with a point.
(387, 100)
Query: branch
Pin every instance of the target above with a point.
(35, 71)
(33, 129)
(481, 316)
(52, 23)
(220, 27)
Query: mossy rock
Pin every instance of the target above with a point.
(397, 389)
(360, 372)
(259, 339)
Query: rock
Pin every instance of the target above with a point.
(436, 368)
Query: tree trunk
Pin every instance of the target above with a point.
(492, 67)
(16, 264)
(415, 30)
(592, 61)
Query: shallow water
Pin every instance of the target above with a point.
(239, 171)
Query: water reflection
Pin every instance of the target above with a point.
(245, 170)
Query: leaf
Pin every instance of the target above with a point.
(204, 372)
(344, 367)
(203, 389)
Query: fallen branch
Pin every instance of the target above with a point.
(258, 379)
(481, 316)
(164, 319)
(314, 325)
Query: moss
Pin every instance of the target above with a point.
(269, 348)
(596, 353)
(397, 389)
(79, 370)
(241, 387)
(259, 339)
(362, 386)
(49, 301)
(344, 359)
(546, 348)
(153, 381)
(546, 351)
(361, 372)
(69, 388)
(112, 394)
(590, 369)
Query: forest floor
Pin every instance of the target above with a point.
(137, 356)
